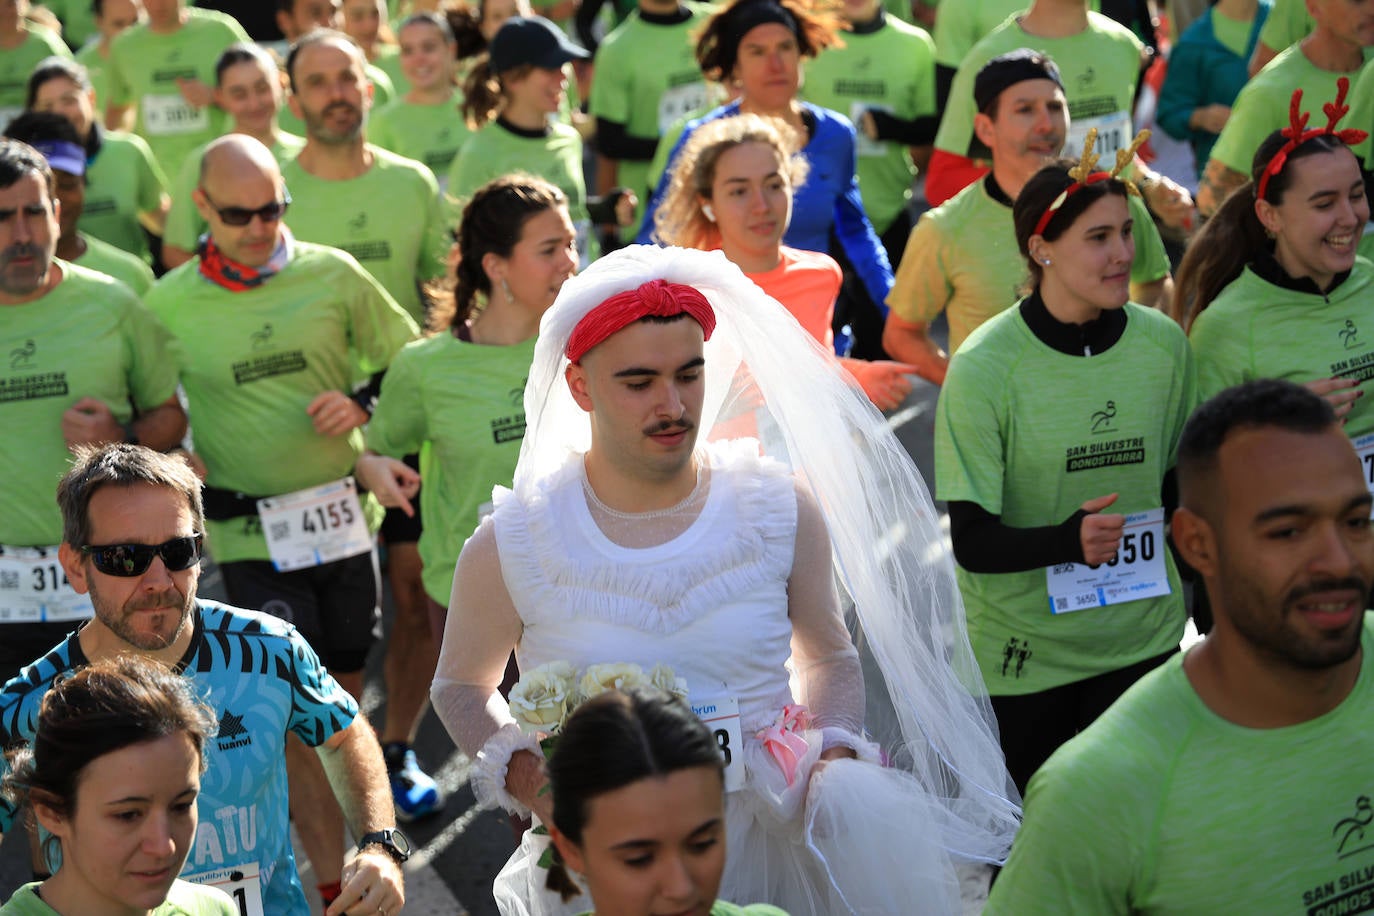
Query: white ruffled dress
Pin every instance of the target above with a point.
(845, 837)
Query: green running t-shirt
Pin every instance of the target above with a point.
(388, 218)
(893, 70)
(254, 360)
(123, 181)
(432, 134)
(17, 63)
(1029, 434)
(1254, 329)
(1262, 106)
(1163, 806)
(88, 337)
(646, 78)
(461, 406)
(1100, 67)
(1288, 23)
(102, 257)
(144, 69)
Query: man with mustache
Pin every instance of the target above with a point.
(643, 528)
(132, 529)
(1235, 778)
(384, 210)
(81, 363)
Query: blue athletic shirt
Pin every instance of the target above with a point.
(262, 679)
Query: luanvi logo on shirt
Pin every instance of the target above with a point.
(1018, 652)
(1353, 834)
(22, 357)
(1350, 335)
(1102, 419)
(232, 734)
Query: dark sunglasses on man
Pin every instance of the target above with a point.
(129, 560)
(242, 216)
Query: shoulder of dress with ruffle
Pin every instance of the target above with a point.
(553, 574)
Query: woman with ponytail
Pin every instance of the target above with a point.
(455, 396)
(639, 808)
(1273, 286)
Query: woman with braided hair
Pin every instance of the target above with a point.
(1055, 428)
(1273, 287)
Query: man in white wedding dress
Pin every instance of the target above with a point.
(701, 486)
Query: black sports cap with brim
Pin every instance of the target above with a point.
(1008, 70)
(532, 40)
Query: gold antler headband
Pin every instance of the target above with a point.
(1083, 174)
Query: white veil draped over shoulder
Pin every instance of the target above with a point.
(927, 704)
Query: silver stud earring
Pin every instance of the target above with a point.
(709, 212)
(1046, 262)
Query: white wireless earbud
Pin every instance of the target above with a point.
(708, 212)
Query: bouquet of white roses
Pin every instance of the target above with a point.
(544, 698)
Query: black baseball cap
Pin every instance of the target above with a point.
(532, 40)
(1010, 69)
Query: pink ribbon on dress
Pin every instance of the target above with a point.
(782, 742)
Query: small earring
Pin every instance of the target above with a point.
(505, 291)
(708, 212)
(1046, 262)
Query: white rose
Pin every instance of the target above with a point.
(540, 701)
(600, 678)
(664, 679)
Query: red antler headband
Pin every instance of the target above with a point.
(1083, 174)
(1297, 136)
(657, 297)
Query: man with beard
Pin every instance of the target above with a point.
(274, 331)
(132, 524)
(83, 364)
(1234, 778)
(384, 210)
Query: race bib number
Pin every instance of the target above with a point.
(721, 715)
(1113, 133)
(315, 526)
(678, 102)
(34, 589)
(167, 115)
(1137, 571)
(240, 882)
(864, 146)
(1364, 447)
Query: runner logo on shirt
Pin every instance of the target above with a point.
(1016, 652)
(1352, 833)
(22, 357)
(1350, 335)
(262, 339)
(1102, 419)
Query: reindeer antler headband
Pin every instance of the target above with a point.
(1297, 136)
(1083, 174)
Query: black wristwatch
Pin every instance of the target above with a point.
(393, 841)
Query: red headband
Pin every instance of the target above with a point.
(1068, 192)
(1297, 136)
(657, 297)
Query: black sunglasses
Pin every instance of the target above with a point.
(128, 560)
(242, 216)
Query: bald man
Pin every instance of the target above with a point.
(271, 330)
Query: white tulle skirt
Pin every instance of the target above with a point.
(854, 837)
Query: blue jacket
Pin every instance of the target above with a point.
(1202, 71)
(829, 199)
